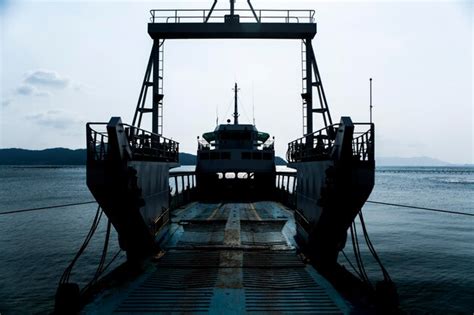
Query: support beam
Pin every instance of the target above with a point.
(309, 86)
(156, 87)
(231, 30)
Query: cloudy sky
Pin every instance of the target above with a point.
(64, 63)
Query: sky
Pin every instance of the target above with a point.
(64, 63)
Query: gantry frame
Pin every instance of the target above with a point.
(237, 24)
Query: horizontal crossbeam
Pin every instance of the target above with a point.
(231, 30)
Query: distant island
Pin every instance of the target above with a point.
(410, 161)
(63, 156)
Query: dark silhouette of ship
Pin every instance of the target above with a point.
(235, 235)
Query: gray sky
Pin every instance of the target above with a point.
(68, 62)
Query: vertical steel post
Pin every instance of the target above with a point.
(156, 82)
(309, 87)
(176, 185)
(232, 7)
(236, 110)
(370, 100)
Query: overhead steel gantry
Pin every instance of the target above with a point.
(231, 24)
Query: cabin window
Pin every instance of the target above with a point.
(246, 156)
(267, 156)
(229, 175)
(256, 155)
(214, 155)
(204, 155)
(235, 135)
(225, 155)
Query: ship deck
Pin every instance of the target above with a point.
(227, 258)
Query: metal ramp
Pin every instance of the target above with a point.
(231, 277)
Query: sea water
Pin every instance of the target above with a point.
(429, 255)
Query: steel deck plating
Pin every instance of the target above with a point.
(230, 258)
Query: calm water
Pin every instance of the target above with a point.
(429, 255)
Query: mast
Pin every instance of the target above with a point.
(236, 111)
(371, 100)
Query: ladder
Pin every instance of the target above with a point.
(148, 82)
(314, 78)
(161, 54)
(303, 85)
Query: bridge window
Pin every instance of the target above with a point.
(242, 175)
(229, 175)
(256, 155)
(246, 156)
(236, 135)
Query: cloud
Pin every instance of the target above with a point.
(42, 82)
(30, 90)
(56, 119)
(48, 78)
(6, 102)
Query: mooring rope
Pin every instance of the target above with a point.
(420, 208)
(48, 207)
(368, 201)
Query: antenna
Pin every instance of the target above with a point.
(253, 106)
(236, 110)
(370, 108)
(217, 115)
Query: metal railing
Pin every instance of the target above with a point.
(97, 142)
(321, 146)
(285, 188)
(144, 145)
(182, 188)
(322, 143)
(151, 146)
(245, 16)
(362, 144)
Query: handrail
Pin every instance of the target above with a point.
(217, 16)
(97, 142)
(323, 143)
(144, 145)
(148, 145)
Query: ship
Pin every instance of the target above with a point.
(235, 235)
(235, 162)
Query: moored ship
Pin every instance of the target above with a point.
(236, 235)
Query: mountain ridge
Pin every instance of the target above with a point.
(64, 156)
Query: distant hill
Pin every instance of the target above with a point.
(55, 156)
(63, 156)
(410, 161)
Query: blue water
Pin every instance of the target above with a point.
(429, 255)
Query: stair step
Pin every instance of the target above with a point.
(320, 110)
(145, 110)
